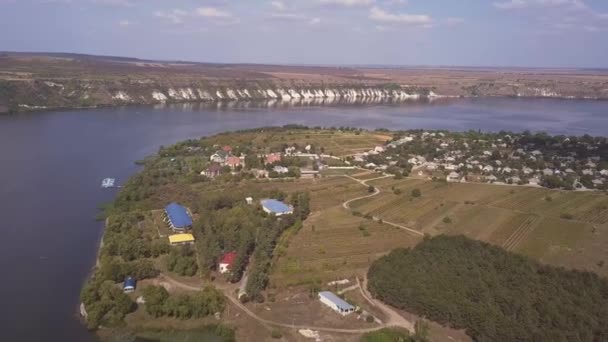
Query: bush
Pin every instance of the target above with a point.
(397, 191)
(369, 319)
(416, 193)
(447, 220)
(566, 216)
(276, 334)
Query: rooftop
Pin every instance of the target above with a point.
(180, 238)
(178, 215)
(340, 303)
(275, 206)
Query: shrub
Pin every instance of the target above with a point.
(447, 220)
(276, 334)
(566, 216)
(416, 193)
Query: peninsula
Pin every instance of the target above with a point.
(276, 232)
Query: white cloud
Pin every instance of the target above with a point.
(175, 16)
(212, 12)
(278, 5)
(381, 15)
(521, 4)
(123, 3)
(315, 21)
(347, 3)
(124, 23)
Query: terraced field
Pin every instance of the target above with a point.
(557, 227)
(333, 243)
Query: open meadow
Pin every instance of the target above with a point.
(557, 227)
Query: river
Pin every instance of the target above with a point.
(51, 166)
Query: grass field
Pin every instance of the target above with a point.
(334, 244)
(560, 227)
(334, 142)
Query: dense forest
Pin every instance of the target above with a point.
(494, 294)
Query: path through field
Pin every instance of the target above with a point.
(229, 289)
(346, 204)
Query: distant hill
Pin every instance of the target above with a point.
(39, 80)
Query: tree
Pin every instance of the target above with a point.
(416, 192)
(155, 297)
(371, 189)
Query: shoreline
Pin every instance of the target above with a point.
(344, 101)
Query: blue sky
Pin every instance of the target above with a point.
(550, 33)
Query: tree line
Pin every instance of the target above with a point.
(494, 294)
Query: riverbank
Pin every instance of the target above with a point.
(65, 83)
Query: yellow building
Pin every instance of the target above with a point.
(181, 239)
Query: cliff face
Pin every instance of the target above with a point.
(38, 95)
(47, 81)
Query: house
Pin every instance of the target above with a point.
(604, 172)
(515, 180)
(129, 285)
(379, 149)
(336, 303)
(547, 172)
(273, 157)
(588, 172)
(527, 170)
(280, 169)
(597, 182)
(212, 171)
(249, 200)
(226, 262)
(181, 239)
(233, 162)
(507, 170)
(219, 156)
(227, 149)
(491, 178)
(276, 207)
(453, 177)
(488, 168)
(177, 217)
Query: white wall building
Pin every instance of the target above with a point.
(336, 303)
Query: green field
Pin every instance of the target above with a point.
(334, 244)
(553, 226)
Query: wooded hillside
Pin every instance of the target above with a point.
(495, 295)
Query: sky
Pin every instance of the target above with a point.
(530, 33)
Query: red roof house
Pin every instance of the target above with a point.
(227, 261)
(233, 161)
(273, 157)
(227, 149)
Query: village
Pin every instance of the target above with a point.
(568, 163)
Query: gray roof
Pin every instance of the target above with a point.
(340, 303)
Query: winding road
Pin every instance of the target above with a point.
(393, 318)
(346, 204)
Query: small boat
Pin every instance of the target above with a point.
(108, 183)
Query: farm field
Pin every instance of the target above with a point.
(333, 243)
(336, 143)
(558, 227)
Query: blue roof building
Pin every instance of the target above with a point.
(276, 207)
(178, 217)
(129, 284)
(336, 303)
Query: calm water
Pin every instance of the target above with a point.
(51, 166)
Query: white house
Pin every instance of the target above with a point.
(280, 169)
(547, 172)
(379, 149)
(604, 172)
(336, 303)
(453, 177)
